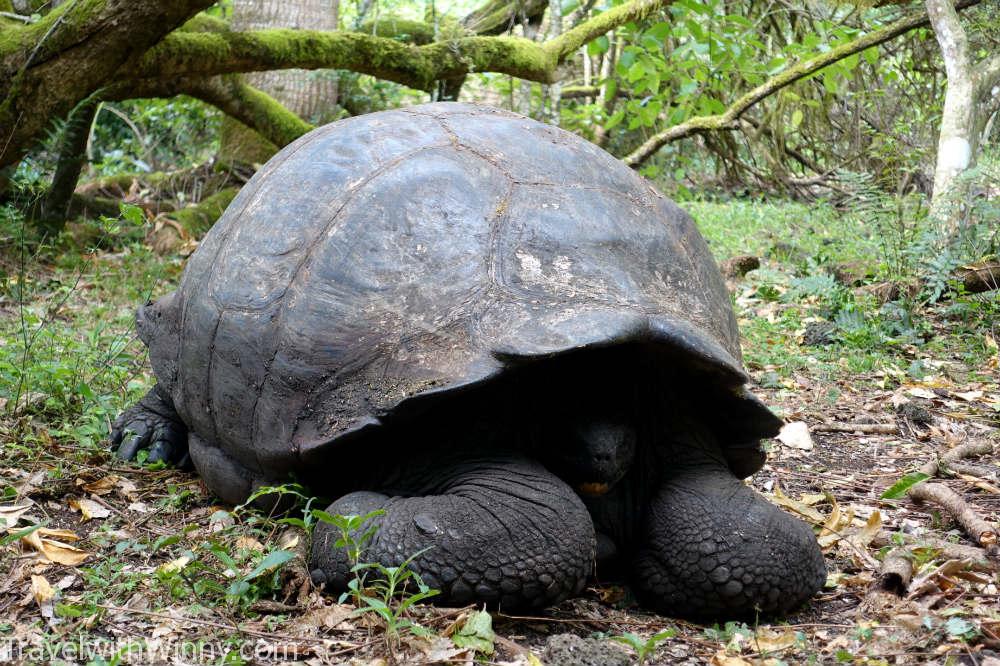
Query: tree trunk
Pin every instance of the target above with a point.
(958, 140)
(311, 95)
(72, 157)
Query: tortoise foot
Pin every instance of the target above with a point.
(498, 530)
(714, 549)
(151, 425)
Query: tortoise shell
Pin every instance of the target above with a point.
(389, 257)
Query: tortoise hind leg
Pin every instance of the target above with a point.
(498, 529)
(151, 424)
(714, 548)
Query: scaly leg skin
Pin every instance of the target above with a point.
(151, 424)
(500, 529)
(715, 549)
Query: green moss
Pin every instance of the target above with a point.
(6, 6)
(400, 29)
(240, 144)
(269, 116)
(205, 23)
(198, 219)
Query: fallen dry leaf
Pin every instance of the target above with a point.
(88, 508)
(10, 514)
(833, 527)
(249, 543)
(55, 551)
(773, 640)
(102, 486)
(796, 435)
(43, 594)
(722, 658)
(327, 617)
(173, 566)
(801, 508)
(66, 535)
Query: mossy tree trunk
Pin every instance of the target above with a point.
(48, 67)
(72, 157)
(311, 95)
(973, 94)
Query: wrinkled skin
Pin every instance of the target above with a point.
(515, 491)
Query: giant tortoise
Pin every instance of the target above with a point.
(500, 336)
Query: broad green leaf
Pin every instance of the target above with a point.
(273, 560)
(614, 119)
(898, 489)
(598, 46)
(476, 633)
(659, 31)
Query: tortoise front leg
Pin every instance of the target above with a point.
(498, 529)
(151, 424)
(713, 548)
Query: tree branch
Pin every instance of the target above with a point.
(498, 16)
(568, 42)
(988, 79)
(187, 54)
(231, 95)
(727, 120)
(206, 54)
(46, 68)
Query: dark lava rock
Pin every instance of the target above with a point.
(571, 650)
(819, 333)
(914, 413)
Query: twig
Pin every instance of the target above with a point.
(981, 531)
(967, 450)
(952, 551)
(18, 17)
(228, 627)
(896, 571)
(970, 469)
(867, 428)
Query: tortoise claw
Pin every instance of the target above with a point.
(150, 425)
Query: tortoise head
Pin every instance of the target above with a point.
(153, 318)
(156, 323)
(600, 455)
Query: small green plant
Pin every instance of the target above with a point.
(388, 592)
(356, 531)
(644, 649)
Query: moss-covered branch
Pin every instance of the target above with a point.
(47, 67)
(251, 106)
(205, 54)
(571, 40)
(199, 54)
(231, 95)
(728, 119)
(400, 29)
(498, 16)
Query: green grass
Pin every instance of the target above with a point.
(69, 360)
(819, 232)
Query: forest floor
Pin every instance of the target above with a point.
(106, 562)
